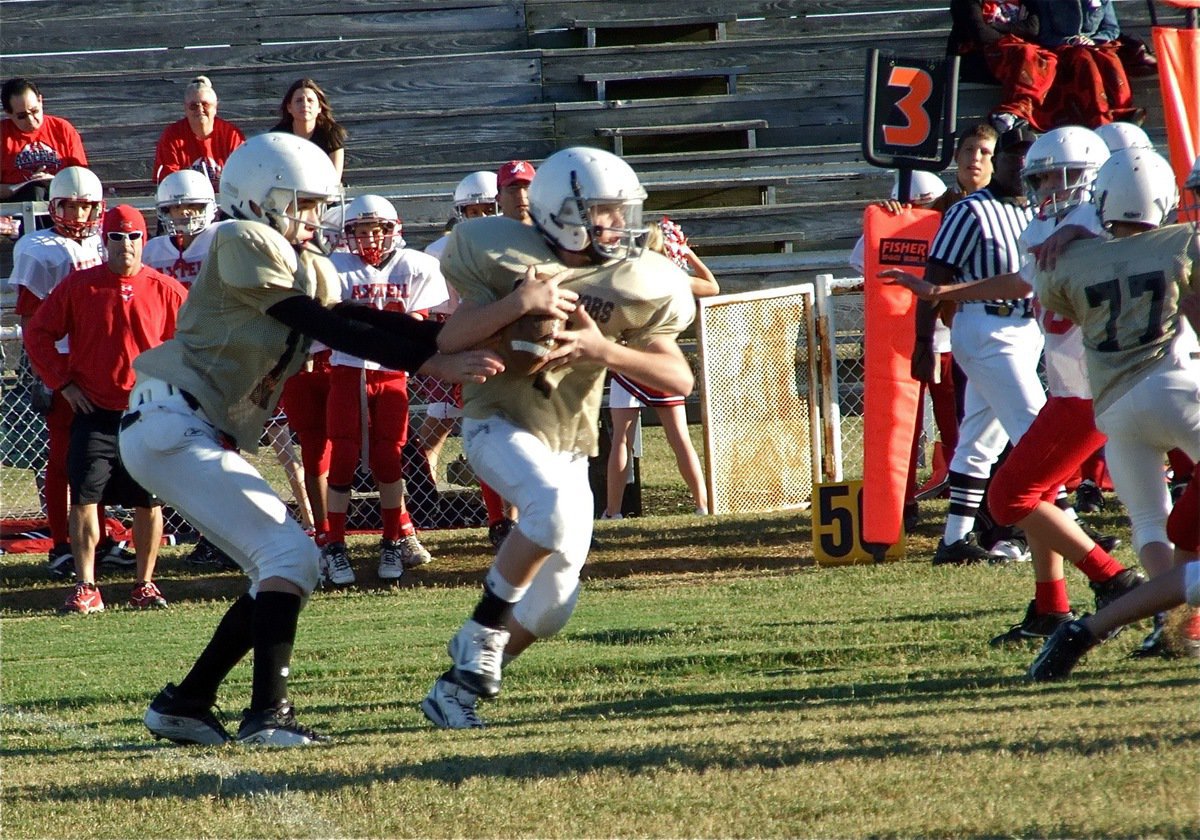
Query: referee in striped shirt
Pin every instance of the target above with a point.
(997, 343)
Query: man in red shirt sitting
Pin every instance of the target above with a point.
(34, 146)
(111, 313)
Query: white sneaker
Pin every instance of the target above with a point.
(391, 560)
(1009, 551)
(613, 516)
(450, 706)
(412, 553)
(478, 654)
(335, 564)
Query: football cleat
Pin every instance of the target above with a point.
(1033, 627)
(184, 720)
(413, 553)
(450, 706)
(1108, 542)
(1065, 647)
(1088, 498)
(84, 598)
(207, 554)
(116, 554)
(276, 727)
(1110, 590)
(60, 562)
(1011, 550)
(391, 560)
(146, 596)
(1152, 645)
(963, 552)
(478, 654)
(335, 564)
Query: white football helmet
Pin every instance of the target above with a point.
(265, 178)
(186, 187)
(925, 187)
(1136, 185)
(589, 201)
(1072, 153)
(1124, 135)
(378, 210)
(81, 184)
(477, 188)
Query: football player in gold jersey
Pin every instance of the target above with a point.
(262, 295)
(530, 436)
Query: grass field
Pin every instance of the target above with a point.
(712, 683)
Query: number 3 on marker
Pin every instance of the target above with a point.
(911, 105)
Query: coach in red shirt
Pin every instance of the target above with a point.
(201, 140)
(111, 313)
(34, 146)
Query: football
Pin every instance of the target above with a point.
(525, 343)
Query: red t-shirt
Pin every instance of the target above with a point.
(179, 148)
(110, 320)
(54, 146)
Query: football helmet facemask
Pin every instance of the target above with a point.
(589, 201)
(266, 178)
(1060, 167)
(187, 187)
(477, 188)
(79, 184)
(373, 210)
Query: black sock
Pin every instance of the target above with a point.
(491, 609)
(275, 617)
(230, 642)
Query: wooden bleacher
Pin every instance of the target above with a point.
(430, 91)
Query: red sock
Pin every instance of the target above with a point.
(337, 527)
(407, 529)
(391, 523)
(1099, 565)
(1051, 597)
(493, 503)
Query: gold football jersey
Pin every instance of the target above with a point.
(632, 301)
(227, 352)
(1124, 295)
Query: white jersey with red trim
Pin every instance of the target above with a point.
(407, 281)
(41, 260)
(1066, 365)
(163, 253)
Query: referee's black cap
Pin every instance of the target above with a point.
(1018, 138)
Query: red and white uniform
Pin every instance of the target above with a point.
(53, 146)
(111, 319)
(406, 281)
(1064, 434)
(40, 262)
(162, 253)
(180, 148)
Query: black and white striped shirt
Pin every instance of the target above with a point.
(979, 237)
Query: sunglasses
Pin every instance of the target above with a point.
(119, 236)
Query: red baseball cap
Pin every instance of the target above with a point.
(124, 218)
(514, 170)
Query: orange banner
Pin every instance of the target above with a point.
(891, 394)
(1178, 69)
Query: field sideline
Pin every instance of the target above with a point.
(712, 683)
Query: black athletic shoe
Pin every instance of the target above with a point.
(1116, 586)
(1153, 644)
(1088, 498)
(184, 720)
(1033, 627)
(60, 562)
(207, 554)
(1062, 650)
(964, 552)
(276, 727)
(1109, 542)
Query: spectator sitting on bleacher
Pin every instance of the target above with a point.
(305, 112)
(34, 146)
(201, 140)
(1090, 87)
(1056, 63)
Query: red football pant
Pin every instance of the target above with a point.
(305, 401)
(1062, 435)
(387, 419)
